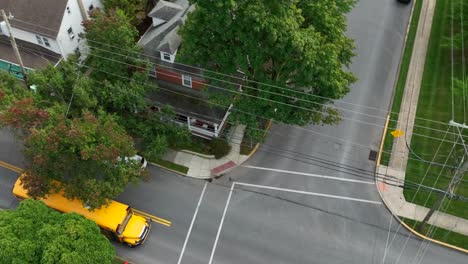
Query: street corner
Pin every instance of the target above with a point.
(382, 186)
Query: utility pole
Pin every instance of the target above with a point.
(15, 48)
(450, 189)
(82, 10)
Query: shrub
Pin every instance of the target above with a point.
(220, 147)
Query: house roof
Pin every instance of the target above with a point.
(186, 101)
(171, 42)
(164, 37)
(33, 56)
(38, 16)
(165, 10)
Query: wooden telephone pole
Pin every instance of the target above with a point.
(455, 180)
(15, 48)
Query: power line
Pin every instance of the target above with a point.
(463, 61)
(252, 81)
(193, 97)
(171, 90)
(260, 90)
(216, 87)
(287, 150)
(414, 195)
(412, 200)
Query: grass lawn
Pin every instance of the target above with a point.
(435, 103)
(400, 86)
(171, 165)
(441, 234)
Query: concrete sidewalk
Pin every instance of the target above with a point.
(391, 195)
(206, 166)
(396, 202)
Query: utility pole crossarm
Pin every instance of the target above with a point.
(455, 124)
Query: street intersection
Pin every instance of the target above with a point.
(312, 202)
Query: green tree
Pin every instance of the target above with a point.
(64, 84)
(298, 44)
(86, 154)
(11, 89)
(23, 114)
(34, 233)
(156, 131)
(120, 71)
(134, 9)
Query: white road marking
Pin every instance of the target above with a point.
(309, 193)
(309, 174)
(221, 223)
(193, 221)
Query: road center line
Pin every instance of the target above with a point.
(308, 174)
(193, 221)
(309, 193)
(221, 223)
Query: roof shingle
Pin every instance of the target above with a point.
(38, 16)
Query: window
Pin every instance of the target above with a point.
(46, 42)
(166, 56)
(152, 72)
(68, 10)
(70, 33)
(187, 80)
(39, 40)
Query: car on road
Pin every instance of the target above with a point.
(139, 159)
(404, 1)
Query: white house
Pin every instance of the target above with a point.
(45, 30)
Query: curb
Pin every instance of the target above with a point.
(167, 169)
(198, 154)
(395, 215)
(402, 55)
(254, 150)
(416, 232)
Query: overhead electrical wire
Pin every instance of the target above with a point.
(241, 79)
(184, 94)
(169, 90)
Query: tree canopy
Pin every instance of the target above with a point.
(66, 84)
(134, 9)
(34, 233)
(297, 45)
(10, 90)
(114, 57)
(86, 154)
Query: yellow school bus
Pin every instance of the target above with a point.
(117, 220)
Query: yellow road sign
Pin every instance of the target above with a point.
(10, 167)
(156, 219)
(397, 133)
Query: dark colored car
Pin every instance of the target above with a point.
(404, 1)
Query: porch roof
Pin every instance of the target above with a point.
(186, 101)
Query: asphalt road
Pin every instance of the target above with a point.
(262, 225)
(308, 218)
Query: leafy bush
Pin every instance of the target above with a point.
(220, 147)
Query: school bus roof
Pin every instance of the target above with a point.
(108, 217)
